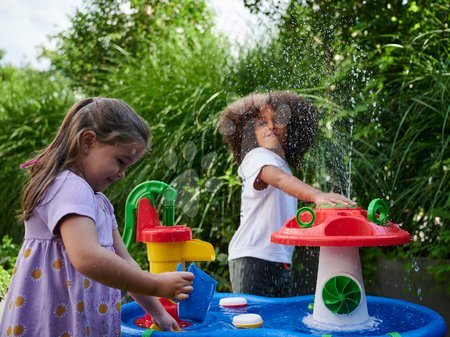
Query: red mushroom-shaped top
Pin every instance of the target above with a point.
(341, 226)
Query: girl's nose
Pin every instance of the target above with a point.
(121, 174)
(270, 125)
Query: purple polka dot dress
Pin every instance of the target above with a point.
(47, 296)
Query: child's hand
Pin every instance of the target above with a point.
(165, 321)
(331, 199)
(176, 285)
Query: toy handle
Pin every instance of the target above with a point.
(142, 190)
(305, 224)
(378, 206)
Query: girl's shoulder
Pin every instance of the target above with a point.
(69, 181)
(256, 159)
(106, 202)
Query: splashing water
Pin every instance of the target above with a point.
(350, 160)
(320, 328)
(416, 268)
(414, 263)
(419, 293)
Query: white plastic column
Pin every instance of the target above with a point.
(335, 261)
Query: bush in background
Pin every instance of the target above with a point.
(31, 109)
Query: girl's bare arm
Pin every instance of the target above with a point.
(149, 303)
(96, 262)
(293, 186)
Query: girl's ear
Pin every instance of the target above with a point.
(87, 140)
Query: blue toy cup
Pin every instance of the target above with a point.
(197, 305)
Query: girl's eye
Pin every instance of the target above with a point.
(121, 162)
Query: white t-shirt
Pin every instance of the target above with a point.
(262, 212)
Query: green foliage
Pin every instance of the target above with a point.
(8, 256)
(30, 113)
(105, 29)
(173, 75)
(180, 96)
(5, 279)
(384, 70)
(409, 158)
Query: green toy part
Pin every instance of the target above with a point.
(341, 295)
(148, 332)
(380, 207)
(146, 190)
(394, 334)
(309, 223)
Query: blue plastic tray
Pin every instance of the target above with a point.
(196, 307)
(283, 318)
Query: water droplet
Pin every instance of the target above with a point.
(189, 151)
(170, 159)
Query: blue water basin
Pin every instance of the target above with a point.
(285, 317)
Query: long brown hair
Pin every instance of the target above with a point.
(113, 121)
(237, 123)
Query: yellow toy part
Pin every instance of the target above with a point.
(165, 256)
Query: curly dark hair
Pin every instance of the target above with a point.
(237, 123)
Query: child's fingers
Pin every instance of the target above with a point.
(187, 275)
(181, 297)
(186, 282)
(187, 289)
(176, 328)
(349, 201)
(184, 293)
(338, 198)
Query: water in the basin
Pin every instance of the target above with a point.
(297, 317)
(321, 328)
(286, 317)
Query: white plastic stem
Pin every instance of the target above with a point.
(334, 261)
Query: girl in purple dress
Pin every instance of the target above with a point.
(73, 262)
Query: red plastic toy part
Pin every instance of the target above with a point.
(149, 228)
(344, 226)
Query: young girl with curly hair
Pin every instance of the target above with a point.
(268, 134)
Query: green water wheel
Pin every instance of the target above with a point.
(341, 295)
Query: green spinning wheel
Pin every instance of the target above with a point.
(341, 295)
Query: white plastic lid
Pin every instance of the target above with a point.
(247, 321)
(233, 302)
